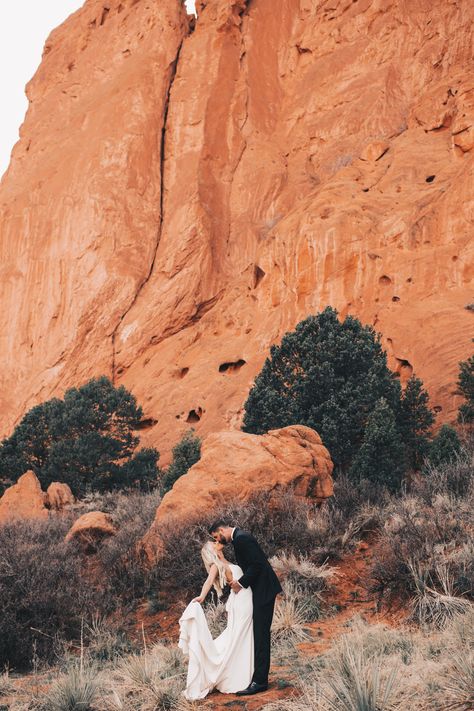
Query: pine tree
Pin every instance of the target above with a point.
(445, 446)
(415, 422)
(186, 453)
(325, 374)
(466, 389)
(382, 456)
(86, 440)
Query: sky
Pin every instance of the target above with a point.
(24, 27)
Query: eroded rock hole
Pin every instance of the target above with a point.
(404, 368)
(430, 178)
(103, 17)
(385, 280)
(146, 423)
(231, 367)
(257, 276)
(183, 372)
(194, 415)
(395, 298)
(437, 408)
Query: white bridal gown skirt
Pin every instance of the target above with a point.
(227, 662)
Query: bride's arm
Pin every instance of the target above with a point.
(207, 584)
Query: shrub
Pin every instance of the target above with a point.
(445, 447)
(466, 389)
(44, 591)
(425, 551)
(119, 559)
(186, 453)
(330, 375)
(86, 440)
(382, 456)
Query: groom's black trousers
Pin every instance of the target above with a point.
(262, 622)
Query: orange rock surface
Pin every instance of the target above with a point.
(59, 496)
(25, 499)
(179, 199)
(236, 465)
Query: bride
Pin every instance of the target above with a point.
(227, 662)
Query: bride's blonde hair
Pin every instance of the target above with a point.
(209, 557)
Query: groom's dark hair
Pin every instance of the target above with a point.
(218, 523)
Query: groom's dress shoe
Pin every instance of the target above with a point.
(254, 688)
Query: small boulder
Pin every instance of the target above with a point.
(90, 530)
(23, 500)
(58, 496)
(236, 465)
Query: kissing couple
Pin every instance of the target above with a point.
(238, 660)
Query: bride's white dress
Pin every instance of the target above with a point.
(227, 662)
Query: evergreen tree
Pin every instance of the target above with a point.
(445, 446)
(382, 455)
(86, 440)
(186, 453)
(415, 422)
(328, 375)
(466, 389)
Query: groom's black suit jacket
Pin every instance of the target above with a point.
(258, 573)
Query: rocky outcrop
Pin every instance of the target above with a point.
(236, 465)
(90, 530)
(178, 200)
(23, 500)
(58, 496)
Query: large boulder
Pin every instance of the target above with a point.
(236, 465)
(23, 500)
(90, 530)
(58, 496)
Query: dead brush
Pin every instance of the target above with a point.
(431, 607)
(288, 564)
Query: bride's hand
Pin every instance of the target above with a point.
(199, 599)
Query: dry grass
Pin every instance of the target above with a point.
(150, 681)
(290, 619)
(75, 690)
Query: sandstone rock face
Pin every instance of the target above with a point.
(23, 500)
(178, 200)
(236, 465)
(58, 496)
(90, 529)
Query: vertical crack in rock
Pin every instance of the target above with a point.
(173, 68)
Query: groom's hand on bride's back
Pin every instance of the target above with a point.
(199, 599)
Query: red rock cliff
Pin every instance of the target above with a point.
(179, 199)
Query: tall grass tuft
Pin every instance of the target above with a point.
(357, 681)
(75, 690)
(459, 682)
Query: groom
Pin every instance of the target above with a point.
(261, 578)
